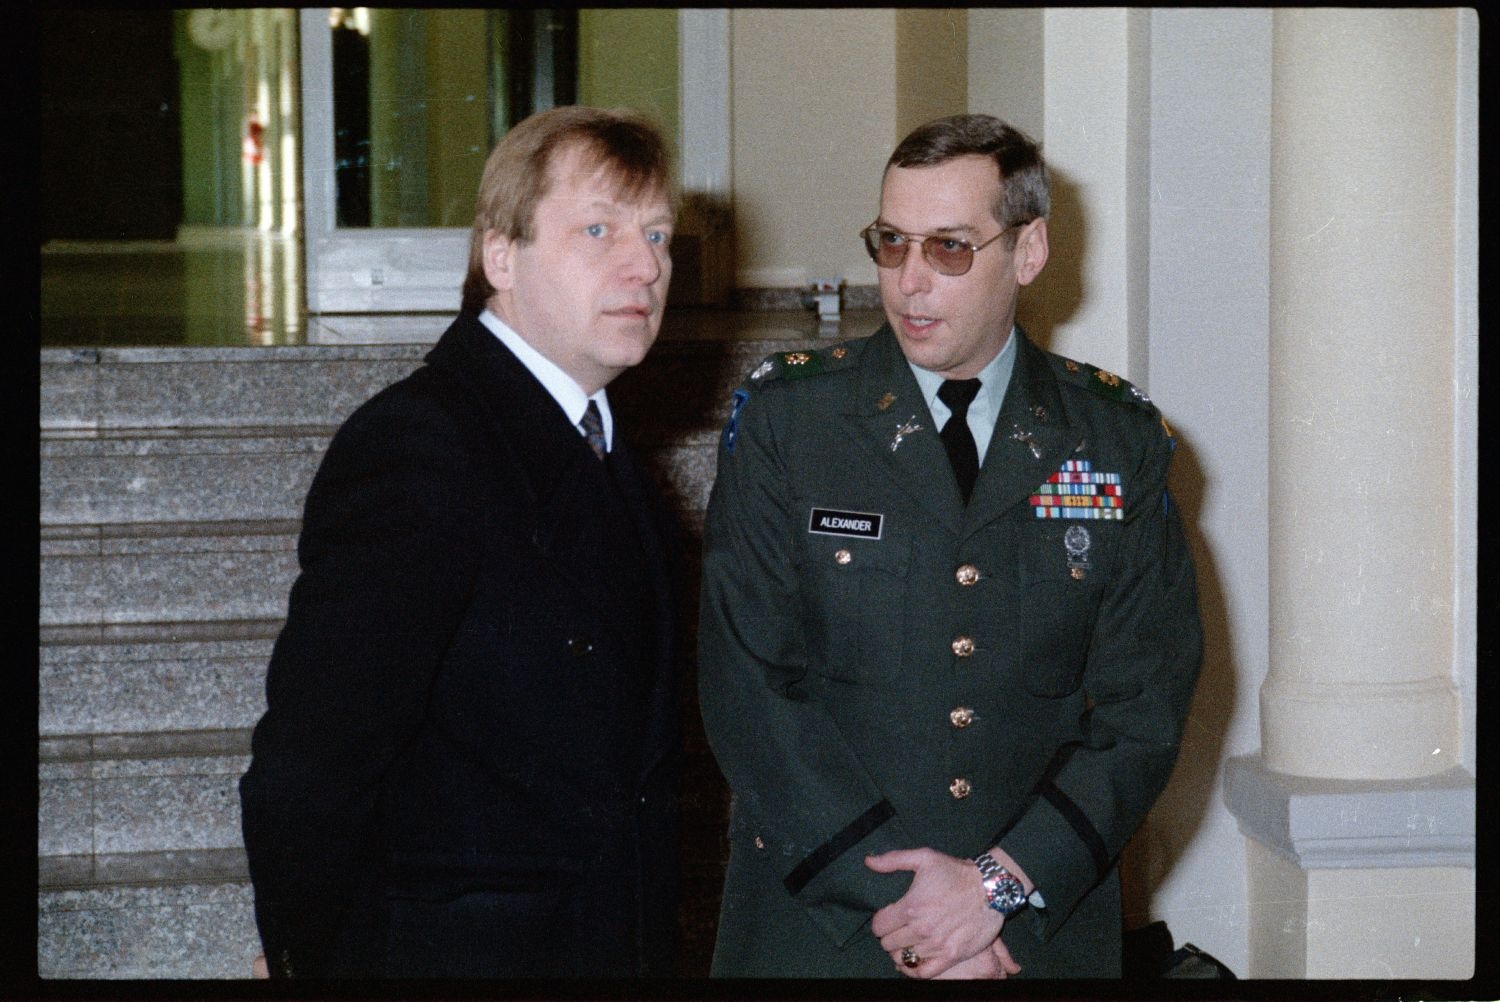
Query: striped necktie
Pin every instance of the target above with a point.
(593, 429)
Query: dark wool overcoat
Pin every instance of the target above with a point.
(468, 762)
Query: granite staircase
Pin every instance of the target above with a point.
(172, 481)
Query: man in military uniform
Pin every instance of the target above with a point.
(949, 626)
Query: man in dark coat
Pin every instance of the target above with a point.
(949, 626)
(467, 767)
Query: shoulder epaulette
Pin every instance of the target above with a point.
(785, 365)
(1103, 382)
(1107, 384)
(801, 364)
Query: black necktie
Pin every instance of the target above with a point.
(593, 429)
(958, 394)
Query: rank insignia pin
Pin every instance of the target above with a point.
(885, 402)
(839, 352)
(910, 427)
(1076, 541)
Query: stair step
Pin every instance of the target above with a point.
(153, 681)
(174, 572)
(162, 475)
(185, 930)
(113, 795)
(95, 389)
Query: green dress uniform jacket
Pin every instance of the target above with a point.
(883, 667)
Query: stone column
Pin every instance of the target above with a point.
(1359, 815)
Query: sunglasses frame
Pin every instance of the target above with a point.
(921, 240)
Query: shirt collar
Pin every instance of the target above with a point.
(561, 386)
(993, 377)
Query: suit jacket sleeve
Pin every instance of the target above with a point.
(388, 556)
(810, 797)
(1143, 661)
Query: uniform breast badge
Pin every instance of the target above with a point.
(1076, 541)
(1077, 491)
(910, 427)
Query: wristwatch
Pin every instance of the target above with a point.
(1002, 889)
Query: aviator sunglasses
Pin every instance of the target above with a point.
(947, 255)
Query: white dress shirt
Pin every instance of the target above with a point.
(564, 389)
(993, 379)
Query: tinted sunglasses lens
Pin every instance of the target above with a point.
(948, 256)
(886, 253)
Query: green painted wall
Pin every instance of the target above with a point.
(629, 57)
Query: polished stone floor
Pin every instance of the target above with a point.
(219, 288)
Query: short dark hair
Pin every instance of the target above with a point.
(518, 173)
(1024, 188)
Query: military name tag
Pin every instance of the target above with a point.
(828, 522)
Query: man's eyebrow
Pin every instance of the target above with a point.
(962, 229)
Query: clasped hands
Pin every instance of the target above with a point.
(943, 918)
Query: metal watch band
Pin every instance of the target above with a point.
(1003, 890)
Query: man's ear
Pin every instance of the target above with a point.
(499, 260)
(1031, 251)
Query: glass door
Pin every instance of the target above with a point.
(401, 108)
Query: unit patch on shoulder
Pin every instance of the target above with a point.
(732, 427)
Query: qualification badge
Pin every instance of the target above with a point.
(1076, 541)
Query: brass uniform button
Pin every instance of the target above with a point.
(580, 647)
(842, 557)
(959, 788)
(961, 717)
(963, 646)
(967, 575)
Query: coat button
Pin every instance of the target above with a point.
(963, 646)
(842, 557)
(760, 843)
(967, 575)
(959, 788)
(578, 647)
(960, 717)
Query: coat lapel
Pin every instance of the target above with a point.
(517, 411)
(1032, 438)
(533, 440)
(886, 401)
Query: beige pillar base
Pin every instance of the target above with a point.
(1377, 924)
(1356, 880)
